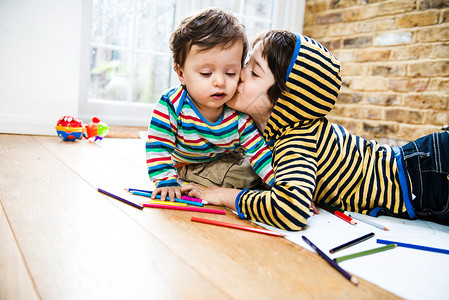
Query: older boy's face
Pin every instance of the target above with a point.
(211, 76)
(256, 79)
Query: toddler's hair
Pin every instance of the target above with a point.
(207, 29)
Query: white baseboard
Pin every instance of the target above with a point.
(27, 125)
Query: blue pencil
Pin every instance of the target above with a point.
(412, 246)
(182, 197)
(167, 198)
(331, 262)
(120, 199)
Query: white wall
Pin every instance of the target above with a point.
(39, 63)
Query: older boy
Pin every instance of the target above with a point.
(318, 162)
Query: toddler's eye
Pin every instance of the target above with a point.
(205, 74)
(230, 74)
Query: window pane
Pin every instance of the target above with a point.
(256, 15)
(112, 22)
(109, 78)
(130, 37)
(261, 9)
(154, 25)
(151, 77)
(253, 27)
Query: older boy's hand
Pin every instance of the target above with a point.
(214, 195)
(171, 192)
(198, 191)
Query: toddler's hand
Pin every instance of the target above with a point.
(171, 192)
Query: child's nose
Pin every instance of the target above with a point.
(218, 80)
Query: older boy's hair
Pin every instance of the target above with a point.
(277, 48)
(209, 28)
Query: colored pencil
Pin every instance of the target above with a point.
(412, 246)
(167, 198)
(344, 217)
(337, 213)
(331, 262)
(333, 208)
(194, 199)
(167, 203)
(363, 253)
(182, 197)
(352, 243)
(120, 199)
(369, 222)
(236, 226)
(196, 209)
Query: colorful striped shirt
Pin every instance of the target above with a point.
(316, 161)
(178, 133)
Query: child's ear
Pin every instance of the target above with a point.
(180, 72)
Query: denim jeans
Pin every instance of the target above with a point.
(427, 163)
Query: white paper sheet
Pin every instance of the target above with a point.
(408, 273)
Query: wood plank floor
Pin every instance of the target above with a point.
(61, 239)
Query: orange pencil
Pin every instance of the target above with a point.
(236, 226)
(344, 217)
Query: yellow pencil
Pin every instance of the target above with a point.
(167, 203)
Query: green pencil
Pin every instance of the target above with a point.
(363, 253)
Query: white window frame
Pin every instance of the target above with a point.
(287, 14)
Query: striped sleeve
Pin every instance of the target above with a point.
(160, 143)
(288, 204)
(256, 149)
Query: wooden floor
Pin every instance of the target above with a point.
(61, 239)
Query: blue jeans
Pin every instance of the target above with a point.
(427, 163)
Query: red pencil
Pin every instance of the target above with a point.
(344, 217)
(197, 209)
(236, 226)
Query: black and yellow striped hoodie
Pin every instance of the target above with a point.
(315, 160)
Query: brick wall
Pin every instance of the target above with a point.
(395, 64)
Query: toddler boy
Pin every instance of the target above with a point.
(192, 134)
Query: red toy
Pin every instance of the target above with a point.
(69, 128)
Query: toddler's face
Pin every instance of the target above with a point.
(211, 76)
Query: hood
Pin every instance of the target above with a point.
(313, 82)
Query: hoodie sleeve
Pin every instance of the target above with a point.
(256, 149)
(288, 204)
(161, 143)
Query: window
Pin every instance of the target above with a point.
(128, 62)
